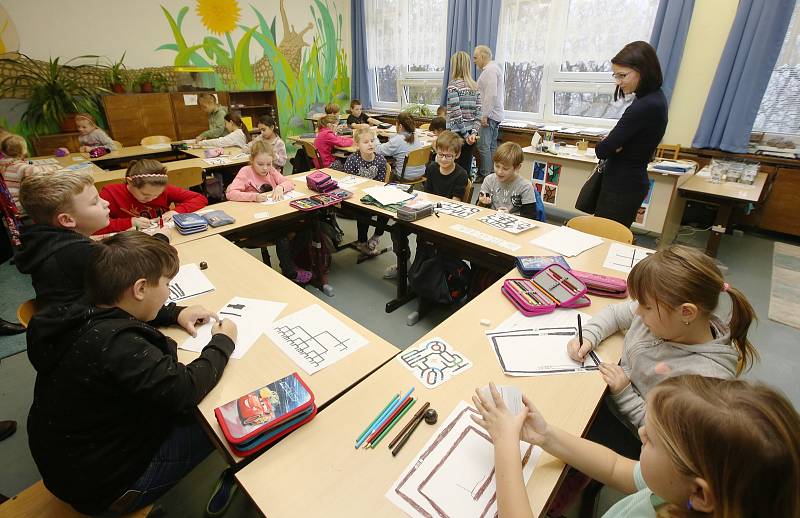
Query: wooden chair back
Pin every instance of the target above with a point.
(417, 157)
(26, 310)
(671, 151)
(155, 139)
(117, 144)
(311, 151)
(602, 227)
(186, 177)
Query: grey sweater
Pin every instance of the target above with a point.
(648, 360)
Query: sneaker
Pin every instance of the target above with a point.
(363, 248)
(373, 243)
(302, 276)
(223, 494)
(391, 272)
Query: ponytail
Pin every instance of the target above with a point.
(406, 120)
(742, 315)
(236, 119)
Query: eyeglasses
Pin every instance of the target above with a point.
(620, 77)
(446, 156)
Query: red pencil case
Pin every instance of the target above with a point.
(553, 287)
(603, 285)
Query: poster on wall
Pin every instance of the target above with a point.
(641, 214)
(546, 177)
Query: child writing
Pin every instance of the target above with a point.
(90, 136)
(400, 145)
(670, 329)
(710, 447)
(14, 166)
(373, 166)
(266, 125)
(326, 140)
(112, 423)
(506, 190)
(216, 116)
(237, 133)
(444, 176)
(259, 182)
(359, 119)
(145, 196)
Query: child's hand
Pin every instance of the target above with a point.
(262, 197)
(501, 424)
(192, 316)
(277, 193)
(227, 327)
(198, 139)
(578, 352)
(140, 223)
(615, 377)
(470, 139)
(167, 216)
(534, 429)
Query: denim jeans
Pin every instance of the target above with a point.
(184, 448)
(487, 145)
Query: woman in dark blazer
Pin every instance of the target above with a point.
(630, 145)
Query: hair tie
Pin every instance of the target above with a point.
(148, 175)
(725, 287)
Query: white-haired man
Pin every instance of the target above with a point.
(491, 86)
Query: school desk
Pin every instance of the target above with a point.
(234, 272)
(725, 196)
(129, 153)
(70, 160)
(320, 458)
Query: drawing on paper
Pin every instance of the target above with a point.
(550, 193)
(459, 210)
(623, 258)
(313, 347)
(539, 171)
(644, 209)
(553, 173)
(434, 362)
(507, 222)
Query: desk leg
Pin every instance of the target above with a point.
(403, 253)
(720, 227)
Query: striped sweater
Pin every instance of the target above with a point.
(463, 108)
(14, 170)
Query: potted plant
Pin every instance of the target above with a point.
(114, 74)
(419, 110)
(151, 81)
(52, 90)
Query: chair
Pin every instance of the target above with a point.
(37, 502)
(664, 151)
(425, 127)
(26, 310)
(117, 144)
(417, 157)
(602, 227)
(155, 139)
(467, 198)
(186, 177)
(311, 151)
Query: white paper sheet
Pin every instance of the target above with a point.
(488, 238)
(623, 258)
(220, 160)
(507, 222)
(47, 161)
(189, 99)
(567, 241)
(350, 181)
(189, 282)
(453, 474)
(251, 316)
(433, 362)
(386, 195)
(314, 339)
(454, 208)
(291, 195)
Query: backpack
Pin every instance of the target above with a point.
(438, 277)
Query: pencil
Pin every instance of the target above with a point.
(408, 425)
(397, 409)
(378, 420)
(407, 436)
(394, 421)
(377, 416)
(383, 418)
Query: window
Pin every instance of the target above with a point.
(557, 56)
(780, 107)
(406, 54)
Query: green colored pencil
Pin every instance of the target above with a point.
(377, 417)
(396, 419)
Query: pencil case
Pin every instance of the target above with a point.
(218, 218)
(321, 182)
(99, 151)
(319, 201)
(553, 287)
(414, 210)
(603, 285)
(530, 265)
(189, 223)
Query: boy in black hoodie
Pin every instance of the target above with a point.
(111, 426)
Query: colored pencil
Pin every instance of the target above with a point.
(525, 292)
(376, 417)
(408, 424)
(383, 418)
(375, 423)
(394, 422)
(382, 427)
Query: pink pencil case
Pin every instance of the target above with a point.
(603, 285)
(553, 287)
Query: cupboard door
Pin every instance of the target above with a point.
(132, 117)
(780, 209)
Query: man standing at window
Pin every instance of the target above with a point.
(492, 89)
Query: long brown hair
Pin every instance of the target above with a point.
(642, 57)
(679, 275)
(406, 120)
(742, 438)
(236, 119)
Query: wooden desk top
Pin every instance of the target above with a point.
(234, 272)
(71, 159)
(349, 482)
(132, 152)
(730, 190)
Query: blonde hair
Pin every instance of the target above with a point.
(14, 146)
(509, 154)
(327, 120)
(146, 172)
(742, 438)
(86, 117)
(449, 141)
(360, 132)
(460, 68)
(44, 195)
(260, 146)
(681, 274)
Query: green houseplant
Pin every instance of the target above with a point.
(114, 75)
(418, 110)
(53, 93)
(151, 81)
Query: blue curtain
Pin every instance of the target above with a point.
(469, 23)
(669, 37)
(743, 73)
(363, 79)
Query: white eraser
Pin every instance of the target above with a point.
(486, 322)
(261, 215)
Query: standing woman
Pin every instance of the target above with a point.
(463, 106)
(630, 145)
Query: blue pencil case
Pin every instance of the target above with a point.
(530, 265)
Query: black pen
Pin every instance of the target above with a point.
(595, 358)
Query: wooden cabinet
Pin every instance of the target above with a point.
(780, 209)
(47, 144)
(191, 120)
(134, 116)
(254, 104)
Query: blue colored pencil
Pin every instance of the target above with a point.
(376, 417)
(385, 416)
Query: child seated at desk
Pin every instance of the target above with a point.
(259, 182)
(90, 136)
(327, 140)
(359, 119)
(237, 135)
(400, 145)
(266, 125)
(15, 167)
(365, 162)
(112, 424)
(505, 190)
(444, 176)
(145, 196)
(216, 116)
(711, 447)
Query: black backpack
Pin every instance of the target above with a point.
(438, 277)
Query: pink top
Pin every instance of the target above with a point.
(325, 142)
(247, 184)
